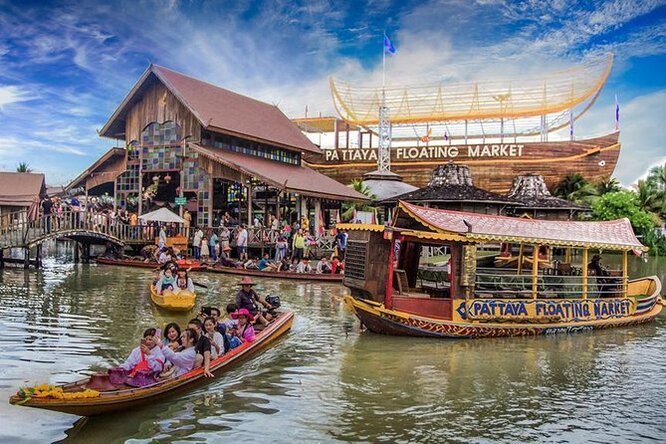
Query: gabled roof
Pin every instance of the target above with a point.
(105, 169)
(451, 193)
(611, 235)
(21, 189)
(217, 109)
(284, 176)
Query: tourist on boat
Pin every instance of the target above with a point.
(215, 337)
(337, 267)
(285, 264)
(183, 359)
(205, 252)
(245, 330)
(298, 245)
(202, 347)
(241, 243)
(171, 336)
(323, 266)
(304, 266)
(247, 298)
(196, 243)
(149, 252)
(280, 249)
(252, 264)
(293, 266)
(265, 264)
(213, 246)
(167, 281)
(226, 260)
(183, 282)
(230, 324)
(146, 357)
(165, 256)
(601, 272)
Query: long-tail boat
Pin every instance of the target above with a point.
(327, 277)
(191, 265)
(393, 292)
(126, 398)
(184, 300)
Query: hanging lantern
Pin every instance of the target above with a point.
(167, 178)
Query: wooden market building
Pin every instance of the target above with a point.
(219, 150)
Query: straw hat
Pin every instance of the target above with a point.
(242, 312)
(100, 382)
(247, 280)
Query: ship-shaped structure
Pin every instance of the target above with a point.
(499, 128)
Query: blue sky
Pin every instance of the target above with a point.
(65, 66)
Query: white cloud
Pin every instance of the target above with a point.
(12, 94)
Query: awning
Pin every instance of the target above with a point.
(284, 176)
(162, 215)
(476, 227)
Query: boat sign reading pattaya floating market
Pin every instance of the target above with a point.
(428, 152)
(535, 310)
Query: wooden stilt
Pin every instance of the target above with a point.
(38, 257)
(26, 258)
(77, 257)
(2, 258)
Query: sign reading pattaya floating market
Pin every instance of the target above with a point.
(428, 152)
(530, 310)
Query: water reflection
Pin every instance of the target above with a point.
(325, 381)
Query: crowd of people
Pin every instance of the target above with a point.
(175, 351)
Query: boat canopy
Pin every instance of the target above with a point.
(436, 224)
(496, 99)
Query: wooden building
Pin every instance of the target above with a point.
(18, 191)
(212, 148)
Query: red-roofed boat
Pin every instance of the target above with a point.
(464, 300)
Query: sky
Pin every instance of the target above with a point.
(65, 66)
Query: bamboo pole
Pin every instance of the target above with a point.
(585, 273)
(535, 271)
(625, 280)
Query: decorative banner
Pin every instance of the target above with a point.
(540, 311)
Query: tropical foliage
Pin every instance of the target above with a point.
(575, 188)
(23, 167)
(349, 208)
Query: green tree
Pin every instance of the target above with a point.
(23, 167)
(621, 204)
(657, 177)
(609, 185)
(657, 180)
(348, 208)
(575, 188)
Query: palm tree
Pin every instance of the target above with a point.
(657, 176)
(350, 207)
(609, 185)
(575, 188)
(647, 196)
(23, 167)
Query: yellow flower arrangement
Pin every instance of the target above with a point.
(51, 391)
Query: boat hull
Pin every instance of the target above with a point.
(110, 402)
(277, 274)
(594, 159)
(183, 301)
(191, 265)
(379, 319)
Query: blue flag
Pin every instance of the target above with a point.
(388, 45)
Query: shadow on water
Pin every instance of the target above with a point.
(325, 380)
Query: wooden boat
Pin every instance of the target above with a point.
(127, 398)
(389, 294)
(192, 265)
(183, 301)
(277, 274)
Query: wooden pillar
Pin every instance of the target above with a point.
(26, 258)
(2, 258)
(86, 252)
(585, 273)
(38, 257)
(318, 217)
(336, 144)
(115, 195)
(535, 271)
(77, 257)
(520, 259)
(567, 255)
(277, 206)
(625, 273)
(249, 203)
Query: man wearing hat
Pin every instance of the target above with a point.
(247, 298)
(225, 259)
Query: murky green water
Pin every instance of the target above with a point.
(326, 381)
